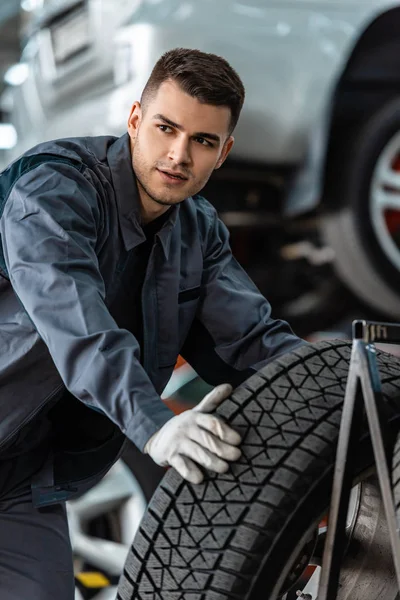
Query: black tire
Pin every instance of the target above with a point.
(396, 478)
(347, 224)
(233, 536)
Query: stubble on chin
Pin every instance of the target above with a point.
(161, 197)
(144, 174)
(157, 197)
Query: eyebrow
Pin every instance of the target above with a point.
(203, 134)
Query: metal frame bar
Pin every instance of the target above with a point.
(363, 392)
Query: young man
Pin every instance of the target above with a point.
(111, 266)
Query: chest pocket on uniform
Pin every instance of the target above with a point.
(187, 306)
(188, 295)
(174, 325)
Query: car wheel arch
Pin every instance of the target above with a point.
(369, 63)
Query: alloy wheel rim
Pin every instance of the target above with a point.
(385, 200)
(366, 533)
(120, 494)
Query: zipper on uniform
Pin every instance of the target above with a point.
(146, 343)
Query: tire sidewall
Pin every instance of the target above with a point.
(366, 150)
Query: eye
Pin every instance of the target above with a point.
(204, 142)
(164, 128)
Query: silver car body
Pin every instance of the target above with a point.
(290, 54)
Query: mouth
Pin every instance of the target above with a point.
(172, 175)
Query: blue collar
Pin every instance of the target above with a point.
(128, 202)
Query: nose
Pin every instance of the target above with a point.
(179, 151)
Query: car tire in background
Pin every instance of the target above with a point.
(104, 520)
(364, 231)
(251, 532)
(102, 523)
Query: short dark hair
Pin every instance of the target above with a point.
(207, 77)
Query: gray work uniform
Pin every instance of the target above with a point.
(70, 228)
(35, 549)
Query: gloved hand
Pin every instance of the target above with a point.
(196, 438)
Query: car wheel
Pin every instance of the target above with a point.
(251, 532)
(365, 231)
(102, 523)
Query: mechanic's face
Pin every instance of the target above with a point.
(176, 144)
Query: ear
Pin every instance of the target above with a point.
(134, 120)
(225, 151)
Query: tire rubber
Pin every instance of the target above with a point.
(360, 260)
(232, 536)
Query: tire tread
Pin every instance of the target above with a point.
(209, 542)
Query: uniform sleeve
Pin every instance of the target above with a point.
(233, 334)
(49, 232)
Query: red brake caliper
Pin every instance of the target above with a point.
(392, 216)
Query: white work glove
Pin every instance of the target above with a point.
(196, 438)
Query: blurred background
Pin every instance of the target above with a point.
(311, 193)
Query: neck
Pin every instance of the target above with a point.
(149, 209)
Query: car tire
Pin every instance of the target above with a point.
(396, 478)
(367, 252)
(243, 534)
(102, 523)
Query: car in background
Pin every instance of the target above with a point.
(311, 192)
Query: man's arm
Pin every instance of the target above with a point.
(233, 334)
(49, 231)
